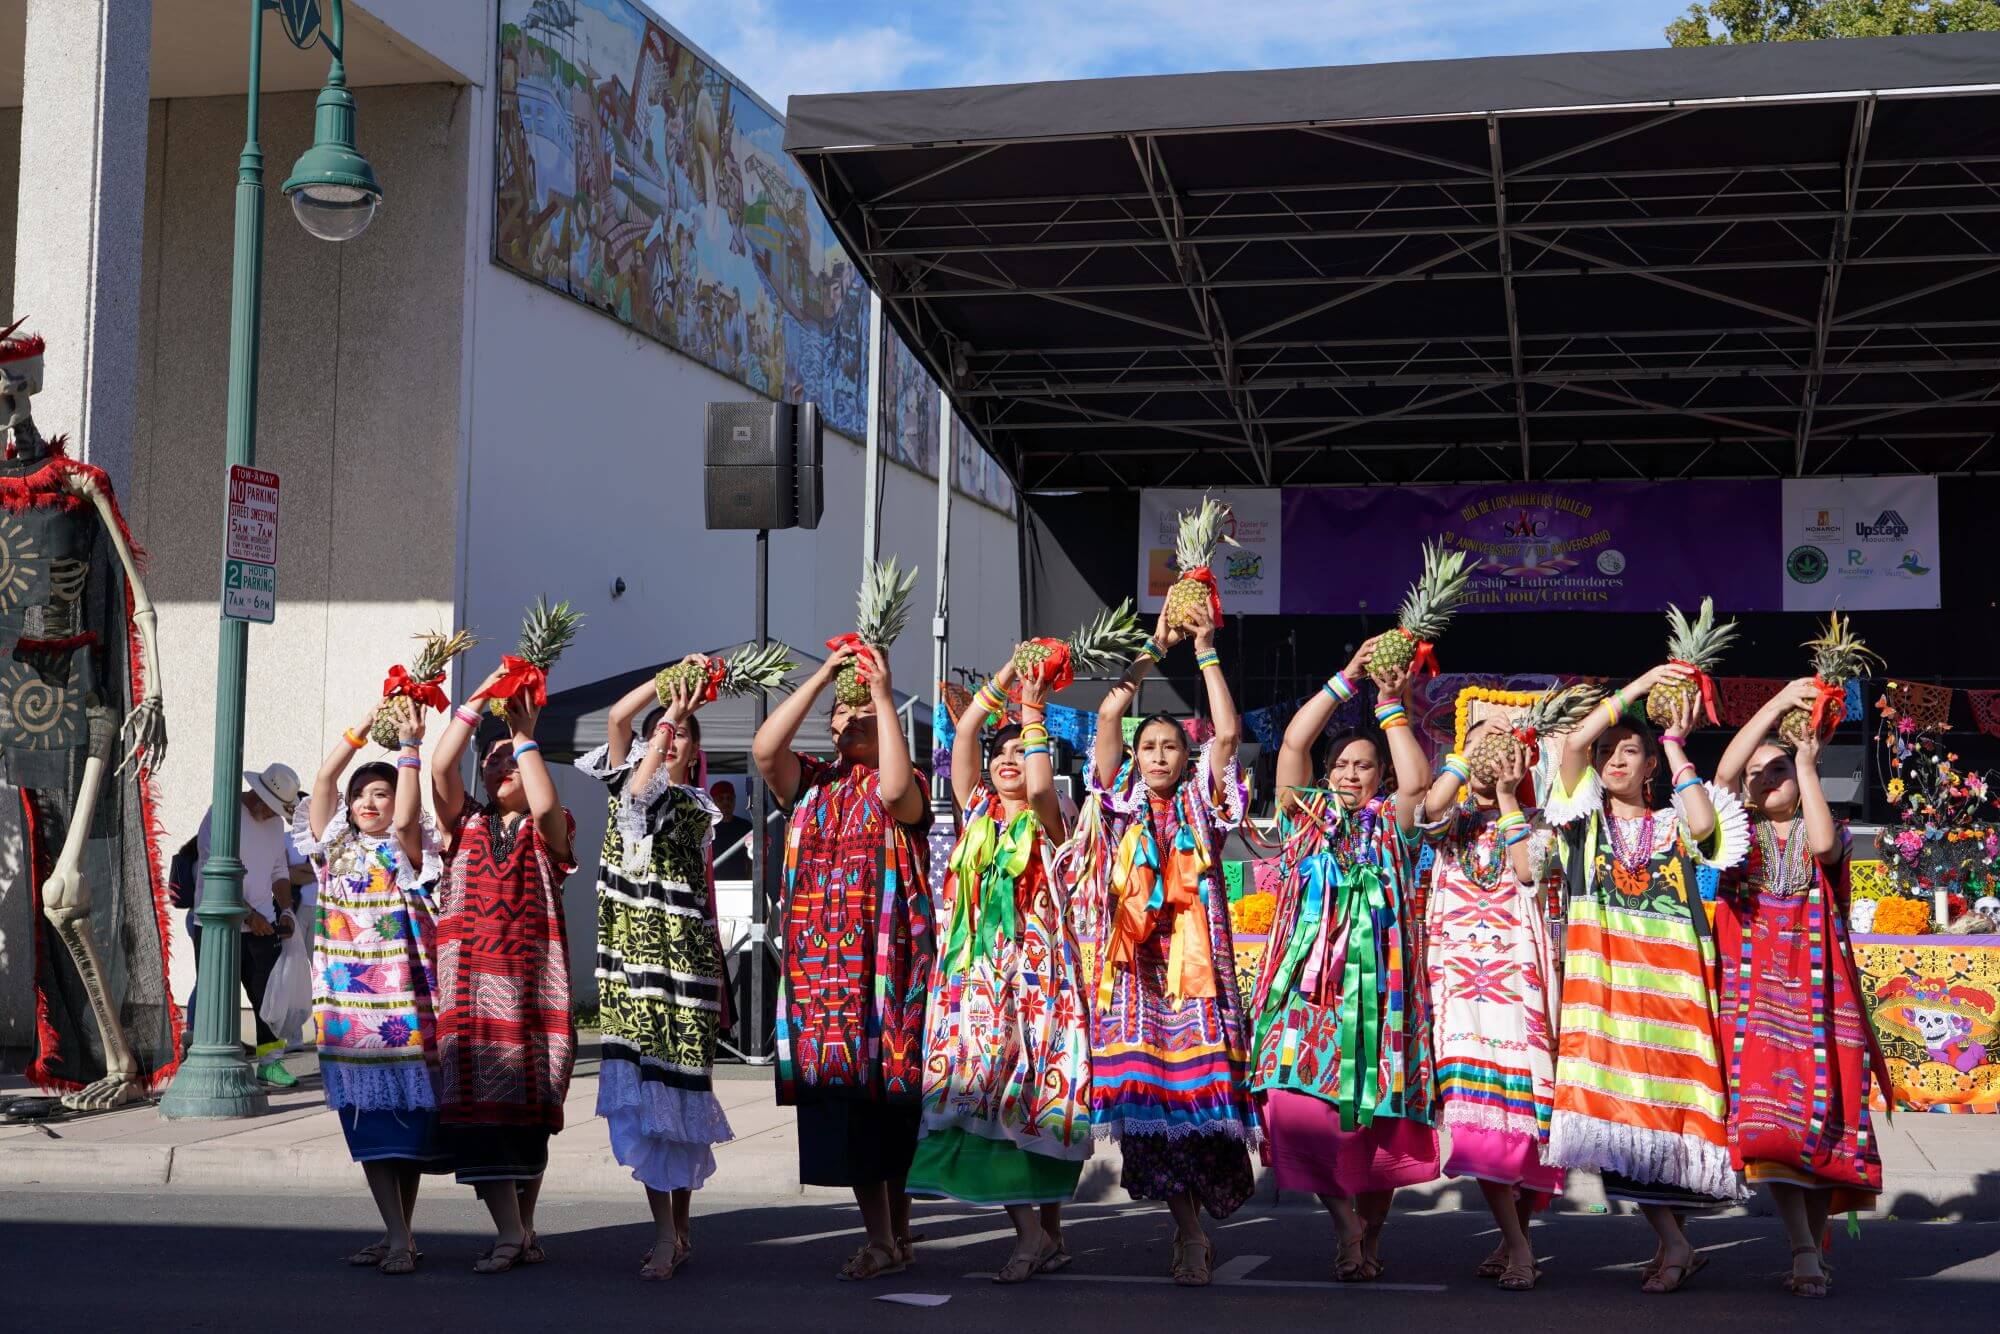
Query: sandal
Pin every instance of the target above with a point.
(1519, 1277)
(399, 1262)
(654, 1273)
(494, 1262)
(1800, 1285)
(865, 1263)
(906, 1247)
(1681, 1275)
(1193, 1275)
(532, 1252)
(1351, 1268)
(1494, 1265)
(1019, 1269)
(370, 1256)
(1373, 1263)
(1056, 1259)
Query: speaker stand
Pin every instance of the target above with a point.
(759, 1045)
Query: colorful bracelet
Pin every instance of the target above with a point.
(1385, 712)
(1207, 660)
(352, 739)
(1521, 835)
(1038, 749)
(1455, 765)
(1033, 732)
(1614, 708)
(1687, 768)
(525, 747)
(990, 700)
(1339, 687)
(408, 762)
(1685, 784)
(1669, 739)
(1152, 649)
(409, 743)
(467, 716)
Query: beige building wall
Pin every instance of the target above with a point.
(358, 412)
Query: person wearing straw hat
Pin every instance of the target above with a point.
(268, 798)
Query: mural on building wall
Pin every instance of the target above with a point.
(909, 431)
(633, 175)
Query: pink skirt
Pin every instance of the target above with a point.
(1502, 1156)
(1310, 1152)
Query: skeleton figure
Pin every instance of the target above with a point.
(76, 640)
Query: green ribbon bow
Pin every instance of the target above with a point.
(991, 858)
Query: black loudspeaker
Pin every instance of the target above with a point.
(762, 465)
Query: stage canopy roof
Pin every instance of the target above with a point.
(1721, 262)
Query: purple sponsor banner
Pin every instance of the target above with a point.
(1581, 546)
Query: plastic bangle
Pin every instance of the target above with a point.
(1521, 835)
(1614, 708)
(1034, 750)
(1391, 724)
(1684, 769)
(1152, 650)
(1455, 765)
(1384, 712)
(1669, 739)
(351, 739)
(1341, 688)
(466, 716)
(1685, 784)
(1033, 732)
(525, 747)
(408, 762)
(409, 743)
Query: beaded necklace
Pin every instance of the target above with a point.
(1632, 854)
(1783, 862)
(1481, 857)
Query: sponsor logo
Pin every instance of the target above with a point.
(1244, 566)
(1525, 526)
(1856, 556)
(1806, 565)
(1912, 563)
(1820, 525)
(1610, 561)
(1888, 527)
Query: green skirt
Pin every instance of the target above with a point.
(953, 1164)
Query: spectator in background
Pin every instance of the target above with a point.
(269, 864)
(731, 862)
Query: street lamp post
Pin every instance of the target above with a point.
(334, 195)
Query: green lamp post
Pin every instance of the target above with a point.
(334, 195)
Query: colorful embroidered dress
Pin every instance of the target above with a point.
(1169, 1059)
(858, 943)
(1007, 1071)
(374, 940)
(1802, 1048)
(1641, 1088)
(506, 1042)
(1490, 965)
(660, 989)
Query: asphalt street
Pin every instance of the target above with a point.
(130, 1261)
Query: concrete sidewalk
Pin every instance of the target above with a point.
(1934, 1166)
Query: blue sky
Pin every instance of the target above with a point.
(782, 47)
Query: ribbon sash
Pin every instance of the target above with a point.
(986, 865)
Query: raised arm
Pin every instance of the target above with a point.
(900, 792)
(447, 783)
(965, 757)
(1406, 753)
(1309, 723)
(1107, 752)
(1222, 713)
(1577, 742)
(1729, 774)
(326, 783)
(536, 783)
(1514, 834)
(618, 726)
(407, 820)
(772, 747)
(1690, 794)
(1823, 833)
(681, 706)
(1040, 764)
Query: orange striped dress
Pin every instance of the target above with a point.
(1642, 1092)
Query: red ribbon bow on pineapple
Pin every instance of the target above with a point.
(850, 639)
(420, 690)
(1829, 708)
(1201, 574)
(1423, 662)
(518, 676)
(711, 685)
(1056, 669)
(1704, 683)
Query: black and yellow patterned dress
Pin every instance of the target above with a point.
(659, 977)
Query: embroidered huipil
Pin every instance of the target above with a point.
(374, 940)
(1342, 1011)
(1169, 1053)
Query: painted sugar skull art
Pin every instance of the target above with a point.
(20, 381)
(1954, 1022)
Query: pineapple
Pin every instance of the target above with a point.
(1198, 534)
(1837, 658)
(1109, 639)
(753, 669)
(882, 609)
(1426, 611)
(435, 652)
(1698, 644)
(545, 632)
(1553, 713)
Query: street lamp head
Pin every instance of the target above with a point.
(333, 189)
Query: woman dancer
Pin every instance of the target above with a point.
(1641, 1095)
(858, 950)
(506, 1041)
(660, 989)
(1789, 988)
(1343, 1027)
(1490, 972)
(1169, 1063)
(1007, 1070)
(375, 854)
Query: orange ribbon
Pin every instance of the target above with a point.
(422, 690)
(1145, 897)
(518, 676)
(1201, 574)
